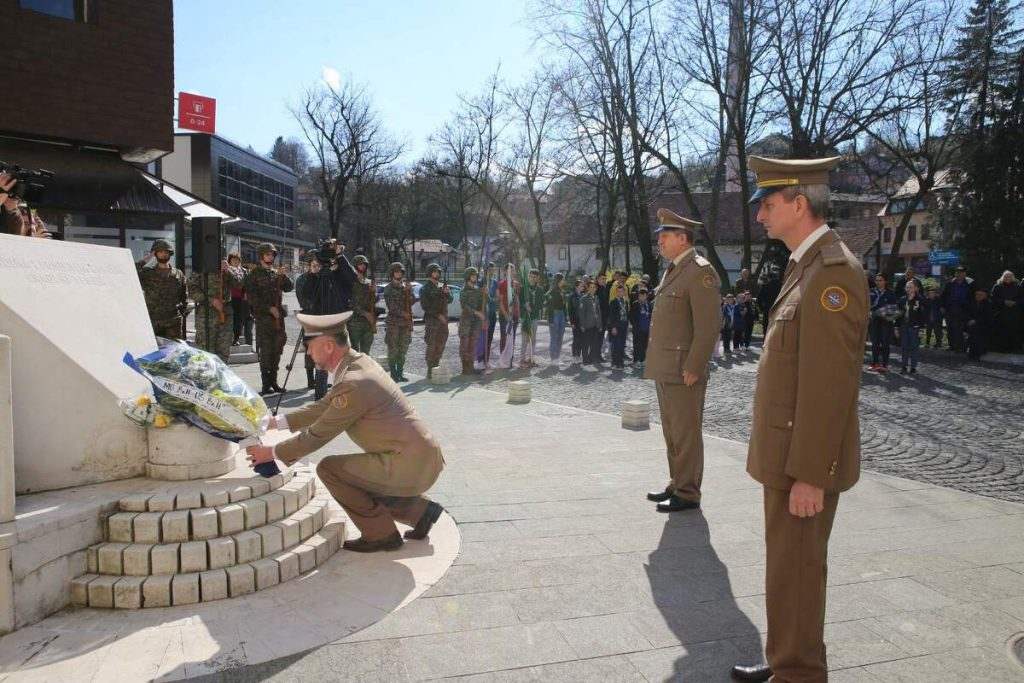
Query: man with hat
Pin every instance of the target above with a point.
(398, 298)
(165, 290)
(363, 325)
(435, 297)
(401, 458)
(805, 438)
(684, 328)
(471, 320)
(264, 286)
(215, 321)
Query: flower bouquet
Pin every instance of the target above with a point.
(196, 386)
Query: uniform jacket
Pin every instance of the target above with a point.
(364, 301)
(686, 323)
(165, 291)
(399, 300)
(472, 301)
(371, 408)
(264, 287)
(434, 301)
(806, 427)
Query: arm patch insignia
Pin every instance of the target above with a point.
(834, 299)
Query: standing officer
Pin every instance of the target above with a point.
(805, 437)
(265, 285)
(471, 321)
(398, 298)
(165, 290)
(401, 459)
(363, 324)
(212, 294)
(684, 328)
(435, 298)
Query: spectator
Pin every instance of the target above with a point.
(912, 318)
(239, 305)
(900, 282)
(491, 286)
(555, 303)
(591, 324)
(603, 298)
(957, 301)
(618, 324)
(883, 312)
(766, 297)
(749, 317)
(745, 283)
(979, 325)
(640, 321)
(933, 318)
(573, 313)
(728, 322)
(508, 306)
(1007, 299)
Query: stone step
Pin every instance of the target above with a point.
(203, 523)
(209, 493)
(135, 592)
(146, 559)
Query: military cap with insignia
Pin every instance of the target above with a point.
(777, 174)
(265, 247)
(317, 325)
(669, 220)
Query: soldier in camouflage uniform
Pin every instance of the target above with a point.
(471, 321)
(213, 309)
(363, 323)
(399, 299)
(435, 297)
(264, 286)
(165, 290)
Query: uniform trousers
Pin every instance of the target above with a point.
(795, 576)
(682, 417)
(376, 489)
(436, 336)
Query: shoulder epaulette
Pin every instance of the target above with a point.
(834, 254)
(701, 261)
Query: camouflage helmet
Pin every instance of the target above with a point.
(162, 245)
(470, 272)
(359, 258)
(395, 266)
(265, 247)
(432, 267)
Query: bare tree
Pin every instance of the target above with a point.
(349, 144)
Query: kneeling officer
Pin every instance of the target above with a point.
(402, 458)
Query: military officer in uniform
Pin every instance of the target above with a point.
(264, 286)
(471, 320)
(401, 459)
(212, 294)
(398, 298)
(363, 324)
(165, 290)
(684, 328)
(805, 438)
(435, 297)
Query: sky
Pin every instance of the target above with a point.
(416, 56)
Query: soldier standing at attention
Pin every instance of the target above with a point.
(435, 298)
(401, 458)
(684, 328)
(212, 294)
(805, 437)
(363, 324)
(165, 291)
(471, 321)
(265, 285)
(398, 298)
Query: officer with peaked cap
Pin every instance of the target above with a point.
(684, 328)
(401, 458)
(805, 438)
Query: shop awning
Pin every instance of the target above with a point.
(192, 205)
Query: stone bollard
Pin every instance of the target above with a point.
(181, 452)
(519, 391)
(441, 375)
(636, 415)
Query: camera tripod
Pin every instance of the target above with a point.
(319, 376)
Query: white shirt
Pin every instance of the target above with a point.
(806, 244)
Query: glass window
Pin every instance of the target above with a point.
(65, 9)
(222, 165)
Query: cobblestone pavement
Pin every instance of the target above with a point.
(956, 423)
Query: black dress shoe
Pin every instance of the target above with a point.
(361, 545)
(422, 528)
(675, 504)
(758, 672)
(659, 496)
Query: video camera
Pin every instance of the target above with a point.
(325, 251)
(24, 187)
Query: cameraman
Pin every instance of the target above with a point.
(331, 287)
(15, 216)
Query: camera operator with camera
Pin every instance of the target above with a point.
(17, 218)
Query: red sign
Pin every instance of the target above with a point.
(196, 112)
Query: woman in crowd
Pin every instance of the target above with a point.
(590, 323)
(239, 305)
(572, 308)
(1007, 299)
(555, 303)
(618, 324)
(913, 313)
(883, 313)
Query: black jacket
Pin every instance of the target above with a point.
(913, 313)
(329, 291)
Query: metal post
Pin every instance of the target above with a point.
(7, 532)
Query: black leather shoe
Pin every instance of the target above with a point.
(675, 504)
(361, 545)
(758, 672)
(659, 496)
(423, 527)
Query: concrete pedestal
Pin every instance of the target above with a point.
(180, 452)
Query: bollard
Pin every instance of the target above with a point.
(636, 415)
(519, 392)
(440, 375)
